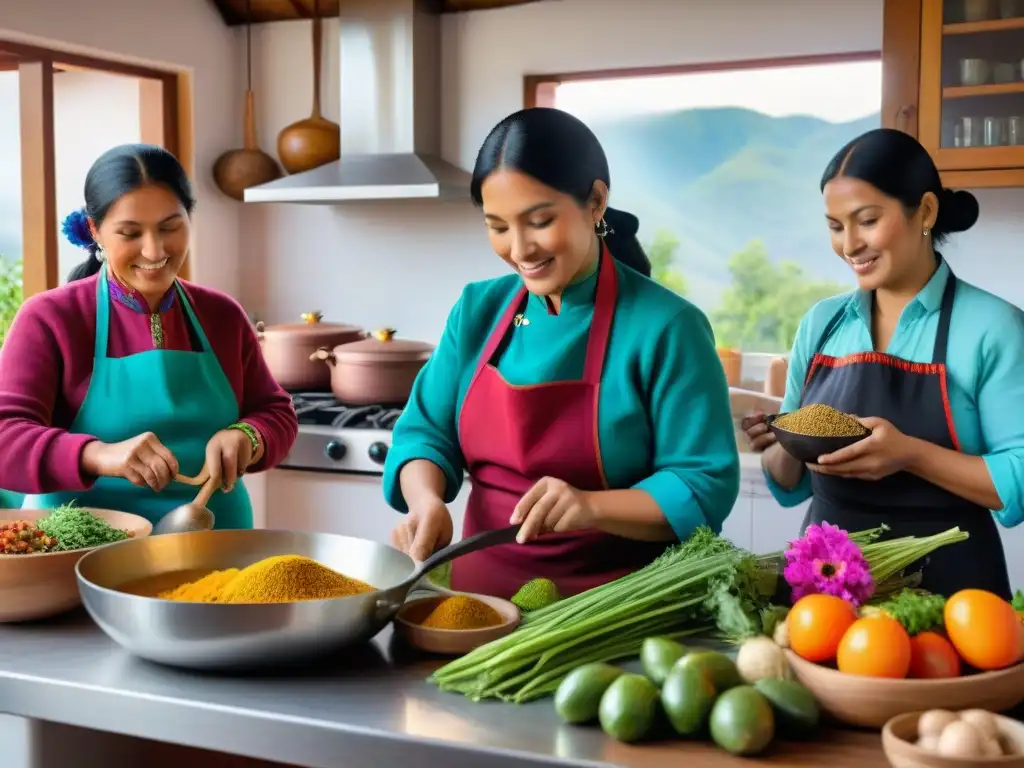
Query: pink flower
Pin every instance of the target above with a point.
(825, 561)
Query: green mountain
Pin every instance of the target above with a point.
(717, 179)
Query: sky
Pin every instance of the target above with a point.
(837, 93)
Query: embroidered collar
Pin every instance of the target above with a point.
(132, 299)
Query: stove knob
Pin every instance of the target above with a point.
(335, 450)
(378, 452)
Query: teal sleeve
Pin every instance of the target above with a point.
(999, 395)
(799, 360)
(696, 476)
(428, 426)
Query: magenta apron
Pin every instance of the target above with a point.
(512, 436)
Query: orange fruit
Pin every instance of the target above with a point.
(876, 646)
(933, 656)
(984, 629)
(816, 624)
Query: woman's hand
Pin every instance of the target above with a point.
(425, 530)
(882, 453)
(143, 461)
(759, 437)
(228, 454)
(552, 505)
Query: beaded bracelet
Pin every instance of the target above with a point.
(249, 432)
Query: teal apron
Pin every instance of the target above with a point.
(184, 398)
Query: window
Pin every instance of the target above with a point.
(722, 166)
(60, 112)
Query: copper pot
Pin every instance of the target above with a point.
(377, 370)
(288, 349)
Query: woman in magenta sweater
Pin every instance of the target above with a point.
(126, 376)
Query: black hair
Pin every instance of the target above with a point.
(115, 173)
(897, 165)
(559, 150)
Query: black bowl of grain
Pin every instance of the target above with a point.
(814, 431)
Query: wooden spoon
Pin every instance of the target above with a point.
(314, 141)
(239, 169)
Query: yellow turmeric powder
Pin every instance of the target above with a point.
(205, 590)
(462, 612)
(279, 579)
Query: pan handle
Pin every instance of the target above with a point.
(472, 544)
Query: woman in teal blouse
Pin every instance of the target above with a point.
(933, 366)
(584, 400)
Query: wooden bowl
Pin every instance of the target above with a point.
(452, 642)
(869, 702)
(807, 448)
(43, 585)
(900, 733)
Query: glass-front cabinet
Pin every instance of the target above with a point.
(971, 90)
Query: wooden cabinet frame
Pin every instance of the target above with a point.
(164, 118)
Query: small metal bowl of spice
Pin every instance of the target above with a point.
(815, 430)
(456, 624)
(39, 549)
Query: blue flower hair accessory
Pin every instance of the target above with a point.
(76, 229)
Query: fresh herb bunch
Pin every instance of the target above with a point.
(1018, 600)
(917, 611)
(74, 528)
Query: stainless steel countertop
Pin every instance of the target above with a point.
(369, 710)
(372, 709)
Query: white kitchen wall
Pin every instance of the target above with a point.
(403, 264)
(186, 35)
(93, 111)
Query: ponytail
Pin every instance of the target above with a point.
(622, 241)
(76, 230)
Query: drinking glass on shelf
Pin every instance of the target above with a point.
(977, 10)
(967, 132)
(992, 131)
(1015, 131)
(975, 71)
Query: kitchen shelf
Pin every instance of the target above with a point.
(992, 89)
(980, 27)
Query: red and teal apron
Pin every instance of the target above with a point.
(512, 436)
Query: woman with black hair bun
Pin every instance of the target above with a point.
(127, 376)
(932, 365)
(586, 401)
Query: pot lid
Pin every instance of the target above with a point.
(381, 345)
(311, 326)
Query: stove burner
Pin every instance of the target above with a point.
(323, 409)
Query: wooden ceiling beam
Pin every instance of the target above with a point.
(269, 11)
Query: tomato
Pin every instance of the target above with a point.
(816, 624)
(933, 656)
(876, 646)
(984, 629)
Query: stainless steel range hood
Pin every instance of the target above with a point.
(390, 59)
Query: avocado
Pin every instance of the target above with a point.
(742, 721)
(657, 655)
(796, 711)
(629, 708)
(579, 695)
(687, 698)
(720, 668)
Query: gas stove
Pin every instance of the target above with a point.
(334, 437)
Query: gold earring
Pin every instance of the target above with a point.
(926, 230)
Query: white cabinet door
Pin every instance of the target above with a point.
(1013, 543)
(774, 525)
(737, 526)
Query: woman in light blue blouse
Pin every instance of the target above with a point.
(932, 365)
